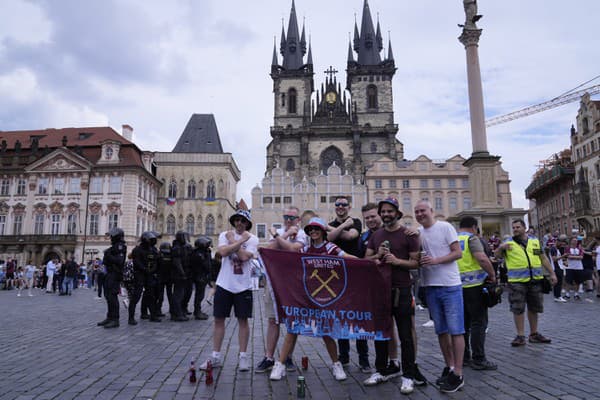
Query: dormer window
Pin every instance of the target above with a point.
(108, 152)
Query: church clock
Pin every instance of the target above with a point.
(330, 97)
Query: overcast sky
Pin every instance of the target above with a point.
(152, 64)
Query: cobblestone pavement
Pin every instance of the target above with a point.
(51, 348)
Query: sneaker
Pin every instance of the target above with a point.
(289, 365)
(338, 371)
(392, 370)
(588, 300)
(366, 369)
(566, 297)
(375, 379)
(216, 363)
(577, 297)
(278, 371)
(407, 386)
(439, 381)
(18, 294)
(244, 363)
(264, 366)
(419, 379)
(538, 338)
(518, 341)
(560, 300)
(420, 307)
(452, 383)
(484, 365)
(429, 324)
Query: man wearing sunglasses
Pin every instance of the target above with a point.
(344, 231)
(291, 238)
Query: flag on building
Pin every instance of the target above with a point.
(171, 201)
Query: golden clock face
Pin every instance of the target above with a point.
(330, 97)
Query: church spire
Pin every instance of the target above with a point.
(378, 37)
(350, 54)
(390, 55)
(368, 49)
(309, 60)
(293, 52)
(274, 61)
(303, 40)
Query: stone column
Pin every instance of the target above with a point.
(470, 39)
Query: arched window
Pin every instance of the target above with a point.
(199, 222)
(171, 224)
(329, 156)
(189, 224)
(172, 189)
(210, 225)
(371, 96)
(221, 188)
(210, 190)
(292, 101)
(191, 190)
(290, 165)
(373, 147)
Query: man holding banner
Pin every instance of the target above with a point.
(393, 246)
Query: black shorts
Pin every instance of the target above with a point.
(224, 300)
(574, 276)
(10, 275)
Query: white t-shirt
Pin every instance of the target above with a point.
(50, 268)
(236, 283)
(29, 271)
(300, 237)
(598, 258)
(436, 241)
(574, 263)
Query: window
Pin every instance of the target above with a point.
(210, 225)
(405, 184)
(115, 184)
(261, 231)
(371, 96)
(277, 200)
(373, 147)
(392, 183)
(2, 224)
(465, 183)
(451, 183)
(423, 183)
(267, 200)
(38, 225)
(210, 190)
(323, 199)
(292, 101)
(282, 99)
(21, 187)
(96, 185)
(5, 187)
(466, 203)
(189, 224)
(94, 222)
(75, 185)
(277, 226)
(287, 199)
(171, 224)
(406, 204)
(59, 186)
(113, 221)
(138, 226)
(18, 224)
(72, 224)
(290, 165)
(43, 186)
(437, 183)
(191, 190)
(377, 183)
(140, 184)
(172, 189)
(145, 191)
(55, 224)
(452, 204)
(438, 203)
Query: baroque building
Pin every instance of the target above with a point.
(198, 182)
(347, 128)
(61, 190)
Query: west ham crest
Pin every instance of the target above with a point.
(324, 279)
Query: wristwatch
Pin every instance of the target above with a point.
(275, 235)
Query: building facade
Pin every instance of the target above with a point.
(199, 181)
(61, 190)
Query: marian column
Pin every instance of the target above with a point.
(482, 166)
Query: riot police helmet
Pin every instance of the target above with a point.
(116, 235)
(203, 243)
(181, 237)
(148, 238)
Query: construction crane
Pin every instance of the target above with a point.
(564, 98)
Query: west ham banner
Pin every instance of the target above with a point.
(320, 295)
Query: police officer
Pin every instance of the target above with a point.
(114, 261)
(181, 252)
(145, 259)
(165, 274)
(201, 263)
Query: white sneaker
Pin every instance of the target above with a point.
(30, 295)
(375, 379)
(560, 299)
(338, 371)
(216, 363)
(244, 363)
(587, 299)
(408, 386)
(277, 372)
(18, 294)
(420, 307)
(429, 324)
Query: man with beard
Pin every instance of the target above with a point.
(392, 245)
(114, 261)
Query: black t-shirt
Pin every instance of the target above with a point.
(349, 246)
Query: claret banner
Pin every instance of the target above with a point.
(320, 295)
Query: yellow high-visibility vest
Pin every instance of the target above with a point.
(518, 261)
(471, 273)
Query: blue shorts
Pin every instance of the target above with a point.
(445, 304)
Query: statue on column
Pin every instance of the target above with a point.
(471, 14)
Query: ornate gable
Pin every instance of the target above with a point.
(60, 160)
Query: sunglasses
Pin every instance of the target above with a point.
(290, 217)
(236, 219)
(342, 204)
(312, 229)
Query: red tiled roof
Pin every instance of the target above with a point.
(91, 136)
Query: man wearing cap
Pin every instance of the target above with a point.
(234, 286)
(290, 237)
(394, 246)
(344, 231)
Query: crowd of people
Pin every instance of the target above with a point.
(449, 271)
